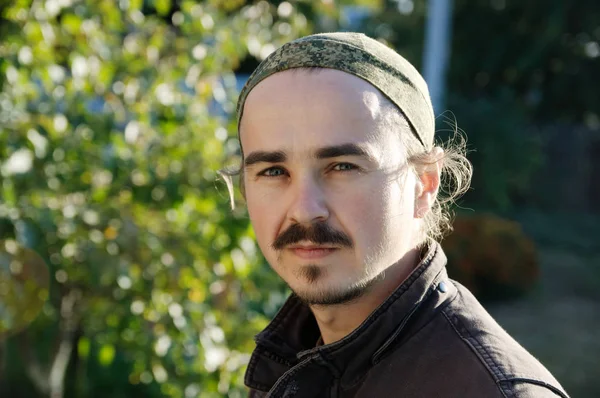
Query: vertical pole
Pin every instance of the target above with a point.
(436, 54)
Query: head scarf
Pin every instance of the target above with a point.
(360, 56)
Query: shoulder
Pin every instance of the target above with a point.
(514, 370)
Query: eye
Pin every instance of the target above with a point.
(272, 172)
(344, 167)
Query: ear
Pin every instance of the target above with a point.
(428, 182)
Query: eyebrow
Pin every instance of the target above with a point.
(265, 156)
(343, 150)
(332, 151)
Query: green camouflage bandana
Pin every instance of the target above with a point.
(360, 56)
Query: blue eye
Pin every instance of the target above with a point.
(344, 167)
(272, 172)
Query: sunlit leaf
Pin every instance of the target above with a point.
(106, 354)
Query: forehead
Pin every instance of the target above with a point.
(301, 110)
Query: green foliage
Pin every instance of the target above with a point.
(492, 257)
(114, 118)
(24, 284)
(505, 149)
(542, 52)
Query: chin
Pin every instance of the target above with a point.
(322, 294)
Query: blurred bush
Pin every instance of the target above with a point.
(492, 257)
(114, 117)
(505, 148)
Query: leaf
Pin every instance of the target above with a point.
(106, 354)
(162, 7)
(71, 23)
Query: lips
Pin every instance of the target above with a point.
(312, 252)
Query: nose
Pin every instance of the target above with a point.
(308, 203)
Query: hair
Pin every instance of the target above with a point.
(455, 175)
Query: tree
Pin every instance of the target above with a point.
(114, 119)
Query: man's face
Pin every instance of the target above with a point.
(326, 181)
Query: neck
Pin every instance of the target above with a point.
(337, 321)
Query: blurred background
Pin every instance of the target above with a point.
(116, 115)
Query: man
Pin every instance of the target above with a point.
(341, 178)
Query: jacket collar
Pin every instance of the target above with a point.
(292, 334)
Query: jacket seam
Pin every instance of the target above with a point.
(258, 386)
(536, 382)
(276, 358)
(477, 345)
(442, 307)
(380, 354)
(416, 332)
(252, 366)
(249, 380)
(484, 357)
(282, 382)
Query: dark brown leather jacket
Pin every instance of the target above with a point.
(430, 338)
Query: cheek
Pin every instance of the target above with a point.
(264, 221)
(382, 215)
(401, 196)
(380, 201)
(364, 215)
(399, 225)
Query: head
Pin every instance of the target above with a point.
(338, 186)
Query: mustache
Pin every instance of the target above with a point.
(318, 233)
